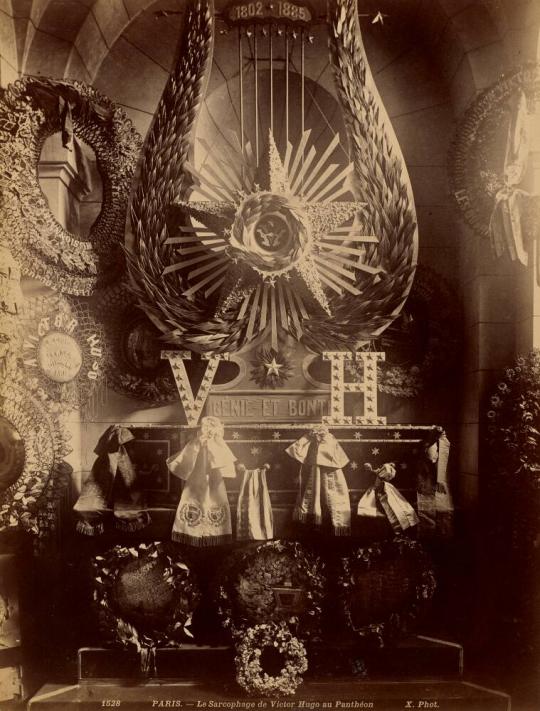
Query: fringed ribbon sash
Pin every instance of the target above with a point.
(254, 519)
(323, 492)
(435, 506)
(383, 499)
(111, 486)
(203, 517)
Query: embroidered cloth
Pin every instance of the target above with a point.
(203, 516)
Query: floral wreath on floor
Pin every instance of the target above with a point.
(249, 660)
(363, 561)
(121, 578)
(276, 582)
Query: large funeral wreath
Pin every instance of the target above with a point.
(382, 587)
(146, 595)
(279, 581)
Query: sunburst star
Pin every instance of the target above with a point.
(269, 236)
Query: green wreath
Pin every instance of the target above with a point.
(250, 660)
(276, 582)
(145, 595)
(405, 583)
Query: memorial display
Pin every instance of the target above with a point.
(252, 411)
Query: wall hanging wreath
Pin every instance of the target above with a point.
(388, 582)
(33, 445)
(278, 581)
(270, 660)
(146, 596)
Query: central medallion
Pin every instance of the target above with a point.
(270, 233)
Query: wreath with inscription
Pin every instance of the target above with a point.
(382, 588)
(63, 351)
(145, 595)
(270, 660)
(275, 582)
(32, 448)
(476, 157)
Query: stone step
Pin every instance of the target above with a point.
(410, 657)
(336, 695)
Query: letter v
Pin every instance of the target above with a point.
(192, 405)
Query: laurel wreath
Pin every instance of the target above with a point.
(379, 177)
(250, 673)
(379, 558)
(29, 113)
(475, 172)
(172, 628)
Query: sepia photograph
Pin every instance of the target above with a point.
(269, 355)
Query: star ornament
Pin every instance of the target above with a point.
(273, 367)
(274, 241)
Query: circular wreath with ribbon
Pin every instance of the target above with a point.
(476, 162)
(146, 595)
(382, 588)
(32, 109)
(32, 448)
(63, 352)
(275, 582)
(270, 660)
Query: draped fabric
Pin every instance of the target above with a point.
(323, 493)
(383, 499)
(435, 507)
(111, 486)
(254, 519)
(203, 516)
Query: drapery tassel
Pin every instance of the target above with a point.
(128, 525)
(89, 529)
(202, 541)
